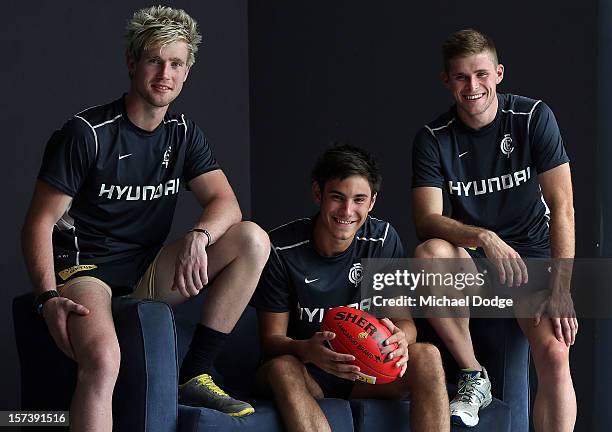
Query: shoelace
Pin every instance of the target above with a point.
(467, 390)
(206, 381)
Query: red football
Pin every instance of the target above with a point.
(362, 335)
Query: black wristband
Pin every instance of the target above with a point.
(41, 299)
(203, 231)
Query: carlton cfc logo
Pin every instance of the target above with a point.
(166, 158)
(355, 274)
(506, 145)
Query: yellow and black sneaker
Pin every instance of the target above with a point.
(201, 391)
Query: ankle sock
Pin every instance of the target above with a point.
(204, 348)
(471, 372)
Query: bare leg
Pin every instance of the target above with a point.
(295, 393)
(554, 409)
(454, 332)
(235, 263)
(96, 350)
(424, 381)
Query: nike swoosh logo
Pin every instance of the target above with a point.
(463, 154)
(124, 156)
(306, 280)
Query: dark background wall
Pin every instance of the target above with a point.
(368, 72)
(62, 57)
(319, 70)
(603, 328)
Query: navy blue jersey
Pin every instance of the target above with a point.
(490, 174)
(298, 280)
(124, 181)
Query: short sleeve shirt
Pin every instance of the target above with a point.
(124, 181)
(298, 280)
(490, 174)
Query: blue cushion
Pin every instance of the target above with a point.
(384, 415)
(145, 396)
(265, 419)
(503, 349)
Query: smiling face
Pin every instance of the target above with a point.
(344, 207)
(472, 81)
(158, 75)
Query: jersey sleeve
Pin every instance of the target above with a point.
(426, 168)
(68, 157)
(393, 247)
(272, 293)
(392, 250)
(547, 145)
(199, 158)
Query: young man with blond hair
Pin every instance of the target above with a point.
(501, 159)
(102, 209)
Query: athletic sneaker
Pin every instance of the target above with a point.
(474, 394)
(201, 391)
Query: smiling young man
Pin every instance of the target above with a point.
(101, 212)
(501, 159)
(315, 265)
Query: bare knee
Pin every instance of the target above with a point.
(288, 374)
(435, 248)
(253, 241)
(552, 357)
(284, 368)
(99, 364)
(425, 363)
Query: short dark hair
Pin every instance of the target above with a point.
(344, 160)
(467, 42)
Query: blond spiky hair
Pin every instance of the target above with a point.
(159, 26)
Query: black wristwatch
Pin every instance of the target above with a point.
(41, 299)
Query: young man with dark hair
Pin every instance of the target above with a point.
(315, 265)
(102, 209)
(501, 159)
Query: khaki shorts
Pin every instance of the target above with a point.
(145, 288)
(91, 279)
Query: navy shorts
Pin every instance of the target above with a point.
(478, 252)
(538, 267)
(332, 386)
(120, 274)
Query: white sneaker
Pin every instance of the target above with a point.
(474, 394)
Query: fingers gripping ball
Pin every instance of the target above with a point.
(362, 335)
